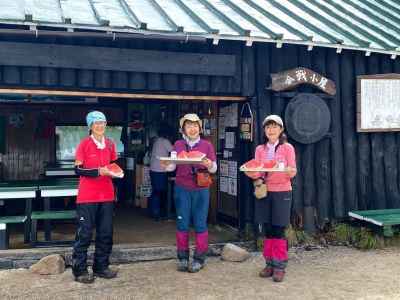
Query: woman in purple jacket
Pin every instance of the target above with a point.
(192, 200)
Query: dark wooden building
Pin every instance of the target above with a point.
(59, 60)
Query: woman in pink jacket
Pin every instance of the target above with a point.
(273, 211)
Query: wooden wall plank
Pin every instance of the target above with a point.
(378, 173)
(68, 77)
(235, 82)
(85, 78)
(102, 79)
(365, 196)
(119, 80)
(337, 164)
(390, 152)
(11, 75)
(219, 84)
(248, 72)
(348, 101)
(137, 81)
(30, 76)
(49, 76)
(88, 57)
(322, 153)
(308, 158)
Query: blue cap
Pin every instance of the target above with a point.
(95, 116)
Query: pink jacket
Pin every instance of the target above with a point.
(278, 181)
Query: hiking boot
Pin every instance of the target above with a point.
(183, 265)
(278, 275)
(106, 273)
(85, 277)
(266, 272)
(196, 266)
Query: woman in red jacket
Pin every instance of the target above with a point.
(274, 210)
(95, 201)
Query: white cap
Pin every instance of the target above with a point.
(275, 118)
(192, 118)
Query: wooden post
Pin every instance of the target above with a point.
(322, 153)
(337, 164)
(349, 130)
(378, 172)
(364, 164)
(390, 153)
(308, 159)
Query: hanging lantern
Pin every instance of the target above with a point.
(246, 123)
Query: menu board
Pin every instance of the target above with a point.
(378, 103)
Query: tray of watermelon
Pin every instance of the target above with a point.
(115, 170)
(185, 157)
(257, 166)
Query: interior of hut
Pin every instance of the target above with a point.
(38, 136)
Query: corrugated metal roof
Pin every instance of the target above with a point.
(367, 25)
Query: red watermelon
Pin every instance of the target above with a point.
(253, 164)
(182, 155)
(269, 164)
(195, 154)
(115, 170)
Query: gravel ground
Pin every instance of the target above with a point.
(329, 273)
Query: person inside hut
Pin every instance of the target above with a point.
(192, 192)
(273, 191)
(161, 148)
(95, 201)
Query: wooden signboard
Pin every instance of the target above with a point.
(378, 103)
(290, 79)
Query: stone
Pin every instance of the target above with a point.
(231, 252)
(49, 265)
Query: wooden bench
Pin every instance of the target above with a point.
(388, 219)
(49, 215)
(4, 233)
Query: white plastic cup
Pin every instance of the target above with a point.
(174, 154)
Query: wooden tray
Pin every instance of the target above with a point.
(243, 169)
(182, 161)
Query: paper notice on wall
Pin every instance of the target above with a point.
(232, 186)
(224, 168)
(223, 184)
(232, 169)
(229, 140)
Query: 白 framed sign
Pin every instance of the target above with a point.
(378, 102)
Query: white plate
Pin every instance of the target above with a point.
(182, 160)
(262, 169)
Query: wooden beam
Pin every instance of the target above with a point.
(121, 95)
(103, 58)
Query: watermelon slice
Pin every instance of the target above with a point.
(269, 164)
(253, 164)
(182, 155)
(195, 154)
(115, 170)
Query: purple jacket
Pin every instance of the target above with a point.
(184, 176)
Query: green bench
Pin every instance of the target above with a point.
(49, 215)
(4, 234)
(388, 219)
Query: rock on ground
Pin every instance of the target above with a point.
(49, 265)
(231, 252)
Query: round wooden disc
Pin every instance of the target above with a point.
(307, 118)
